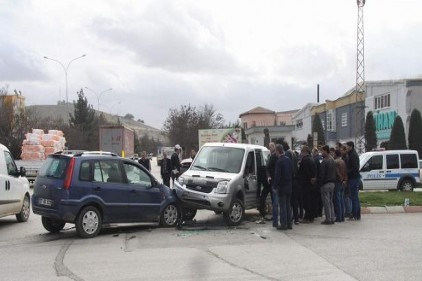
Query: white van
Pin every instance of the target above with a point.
(390, 169)
(14, 191)
(224, 178)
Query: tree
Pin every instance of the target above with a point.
(84, 126)
(415, 132)
(317, 128)
(370, 132)
(182, 124)
(397, 137)
(129, 116)
(310, 141)
(13, 123)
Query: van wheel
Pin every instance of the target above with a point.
(25, 211)
(188, 214)
(235, 214)
(89, 221)
(406, 185)
(52, 225)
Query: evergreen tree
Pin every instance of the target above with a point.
(317, 127)
(310, 141)
(397, 137)
(370, 132)
(84, 126)
(415, 132)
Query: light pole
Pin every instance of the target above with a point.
(65, 69)
(98, 96)
(110, 108)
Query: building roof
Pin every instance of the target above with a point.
(257, 110)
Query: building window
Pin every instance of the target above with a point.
(253, 123)
(382, 101)
(344, 119)
(299, 124)
(245, 125)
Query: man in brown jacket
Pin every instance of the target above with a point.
(341, 181)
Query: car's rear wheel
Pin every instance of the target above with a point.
(188, 214)
(406, 185)
(170, 216)
(235, 214)
(52, 225)
(25, 211)
(88, 223)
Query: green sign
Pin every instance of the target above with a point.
(383, 123)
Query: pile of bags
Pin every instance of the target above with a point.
(38, 145)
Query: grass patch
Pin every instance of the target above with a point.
(390, 198)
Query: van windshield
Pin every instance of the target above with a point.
(219, 159)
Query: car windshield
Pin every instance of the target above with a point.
(219, 159)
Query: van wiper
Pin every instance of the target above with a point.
(217, 169)
(199, 167)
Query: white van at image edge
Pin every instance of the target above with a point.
(390, 169)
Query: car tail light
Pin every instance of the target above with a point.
(69, 174)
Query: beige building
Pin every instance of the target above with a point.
(279, 124)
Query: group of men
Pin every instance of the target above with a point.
(302, 185)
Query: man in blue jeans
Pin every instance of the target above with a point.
(353, 176)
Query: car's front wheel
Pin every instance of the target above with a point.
(25, 211)
(170, 216)
(88, 223)
(234, 215)
(52, 225)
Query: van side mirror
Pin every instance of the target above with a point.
(366, 167)
(22, 171)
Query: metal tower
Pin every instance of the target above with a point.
(359, 111)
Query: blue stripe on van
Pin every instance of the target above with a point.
(398, 175)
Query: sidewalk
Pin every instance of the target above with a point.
(391, 210)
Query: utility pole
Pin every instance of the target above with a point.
(359, 109)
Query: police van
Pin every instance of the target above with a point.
(390, 169)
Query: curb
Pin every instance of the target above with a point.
(391, 210)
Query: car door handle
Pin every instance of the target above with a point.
(381, 172)
(98, 188)
(7, 185)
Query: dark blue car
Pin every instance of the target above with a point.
(95, 188)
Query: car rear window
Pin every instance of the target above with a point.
(54, 167)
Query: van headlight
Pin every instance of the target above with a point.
(181, 181)
(222, 187)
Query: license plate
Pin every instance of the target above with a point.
(45, 202)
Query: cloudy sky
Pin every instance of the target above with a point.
(233, 54)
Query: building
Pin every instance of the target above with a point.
(389, 98)
(302, 121)
(278, 124)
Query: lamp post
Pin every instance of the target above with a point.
(65, 69)
(110, 108)
(98, 96)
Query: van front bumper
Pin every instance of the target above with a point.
(200, 200)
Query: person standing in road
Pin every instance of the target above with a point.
(306, 174)
(283, 177)
(144, 161)
(353, 176)
(270, 179)
(347, 198)
(317, 160)
(165, 169)
(296, 196)
(192, 154)
(327, 177)
(341, 182)
(175, 163)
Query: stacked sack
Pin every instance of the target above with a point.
(38, 145)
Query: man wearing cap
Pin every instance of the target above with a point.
(175, 163)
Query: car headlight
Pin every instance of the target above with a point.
(181, 180)
(222, 187)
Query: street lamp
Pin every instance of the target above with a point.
(110, 108)
(98, 96)
(65, 69)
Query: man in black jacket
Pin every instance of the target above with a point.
(327, 177)
(166, 169)
(307, 173)
(175, 163)
(270, 179)
(353, 176)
